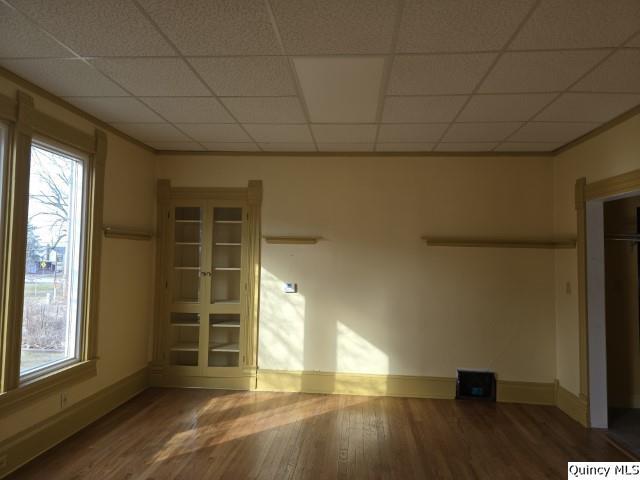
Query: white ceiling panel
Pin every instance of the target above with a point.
(441, 26)
(437, 74)
(539, 71)
(265, 133)
(230, 147)
(422, 109)
(265, 109)
(345, 147)
(205, 27)
(215, 132)
(288, 147)
(189, 109)
(634, 42)
(65, 78)
(528, 147)
(116, 109)
(588, 107)
(179, 146)
(405, 147)
(340, 90)
(152, 132)
(480, 132)
(618, 73)
(466, 146)
(97, 27)
(344, 133)
(153, 77)
(19, 37)
(335, 26)
(400, 133)
(552, 132)
(504, 108)
(558, 24)
(246, 76)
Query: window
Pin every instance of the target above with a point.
(54, 249)
(4, 135)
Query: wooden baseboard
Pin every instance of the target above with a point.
(28, 444)
(526, 392)
(574, 406)
(243, 380)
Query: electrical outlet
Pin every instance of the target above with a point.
(64, 399)
(3, 462)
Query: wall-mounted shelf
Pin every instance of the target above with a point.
(126, 233)
(291, 240)
(499, 243)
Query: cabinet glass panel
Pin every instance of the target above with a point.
(187, 254)
(226, 255)
(184, 339)
(224, 340)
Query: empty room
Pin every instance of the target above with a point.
(318, 239)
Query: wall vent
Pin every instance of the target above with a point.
(476, 384)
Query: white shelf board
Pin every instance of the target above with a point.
(227, 324)
(225, 347)
(185, 347)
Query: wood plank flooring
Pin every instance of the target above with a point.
(204, 434)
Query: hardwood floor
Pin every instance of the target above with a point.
(204, 434)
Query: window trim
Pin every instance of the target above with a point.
(30, 126)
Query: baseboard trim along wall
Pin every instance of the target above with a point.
(28, 444)
(394, 386)
(574, 406)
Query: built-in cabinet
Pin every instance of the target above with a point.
(208, 253)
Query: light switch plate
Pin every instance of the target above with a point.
(290, 288)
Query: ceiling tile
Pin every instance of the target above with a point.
(153, 77)
(618, 73)
(264, 133)
(97, 27)
(437, 74)
(341, 90)
(246, 76)
(634, 42)
(344, 133)
(65, 78)
(405, 147)
(528, 147)
(215, 132)
(345, 147)
(588, 107)
(422, 109)
(19, 37)
(189, 109)
(552, 131)
(463, 25)
(400, 133)
(265, 109)
(116, 109)
(230, 147)
(180, 146)
(152, 131)
(335, 26)
(504, 108)
(480, 132)
(539, 71)
(558, 24)
(466, 147)
(288, 147)
(205, 27)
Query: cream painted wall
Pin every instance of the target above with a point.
(611, 153)
(126, 272)
(373, 297)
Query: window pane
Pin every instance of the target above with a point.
(54, 241)
(4, 131)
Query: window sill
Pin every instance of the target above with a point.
(46, 384)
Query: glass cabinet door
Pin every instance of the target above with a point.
(187, 254)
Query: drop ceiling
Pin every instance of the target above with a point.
(334, 75)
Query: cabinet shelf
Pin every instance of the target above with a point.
(185, 347)
(233, 222)
(228, 269)
(228, 244)
(226, 324)
(185, 324)
(225, 347)
(189, 243)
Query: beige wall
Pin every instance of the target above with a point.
(373, 297)
(126, 276)
(622, 314)
(611, 153)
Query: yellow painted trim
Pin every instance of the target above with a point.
(574, 406)
(8, 108)
(499, 243)
(608, 187)
(291, 240)
(126, 233)
(61, 132)
(243, 381)
(526, 392)
(28, 444)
